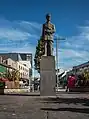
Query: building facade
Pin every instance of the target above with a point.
(25, 58)
(81, 67)
(17, 65)
(24, 70)
(10, 62)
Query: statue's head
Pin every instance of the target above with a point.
(48, 17)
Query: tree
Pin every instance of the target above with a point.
(13, 75)
(8, 75)
(83, 78)
(86, 74)
(39, 52)
(1, 75)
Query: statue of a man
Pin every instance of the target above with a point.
(47, 35)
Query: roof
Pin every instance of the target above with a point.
(81, 65)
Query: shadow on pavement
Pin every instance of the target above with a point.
(84, 101)
(79, 110)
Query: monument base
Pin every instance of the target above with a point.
(48, 76)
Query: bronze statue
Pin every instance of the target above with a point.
(47, 35)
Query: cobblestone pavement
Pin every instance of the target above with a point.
(29, 107)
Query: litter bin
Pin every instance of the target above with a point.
(2, 86)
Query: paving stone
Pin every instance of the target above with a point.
(28, 107)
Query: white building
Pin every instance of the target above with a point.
(10, 63)
(23, 57)
(24, 70)
(26, 63)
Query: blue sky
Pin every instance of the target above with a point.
(21, 21)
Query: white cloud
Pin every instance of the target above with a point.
(75, 50)
(19, 30)
(71, 53)
(13, 34)
(84, 32)
(27, 24)
(18, 36)
(26, 49)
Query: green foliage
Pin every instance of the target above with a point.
(13, 75)
(39, 52)
(86, 74)
(83, 78)
(8, 75)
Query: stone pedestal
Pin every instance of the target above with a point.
(48, 76)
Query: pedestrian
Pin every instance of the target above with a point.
(71, 81)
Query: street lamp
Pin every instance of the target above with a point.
(57, 47)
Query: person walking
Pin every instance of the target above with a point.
(71, 81)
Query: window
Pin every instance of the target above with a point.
(24, 64)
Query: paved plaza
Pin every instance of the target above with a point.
(64, 106)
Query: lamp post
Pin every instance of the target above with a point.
(57, 62)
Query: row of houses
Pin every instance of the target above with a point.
(14, 61)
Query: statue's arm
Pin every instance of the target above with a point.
(53, 29)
